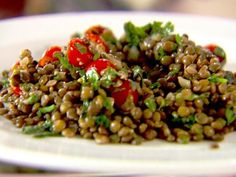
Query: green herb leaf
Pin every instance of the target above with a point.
(5, 83)
(32, 99)
(135, 34)
(93, 78)
(159, 52)
(108, 36)
(45, 110)
(82, 49)
(63, 60)
(151, 103)
(178, 39)
(132, 35)
(174, 71)
(163, 103)
(230, 116)
(138, 71)
(155, 85)
(108, 77)
(96, 56)
(81, 71)
(85, 108)
(46, 134)
(77, 35)
(39, 131)
(178, 121)
(164, 30)
(108, 104)
(102, 120)
(217, 79)
(218, 51)
(65, 63)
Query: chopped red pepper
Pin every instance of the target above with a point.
(16, 90)
(94, 34)
(99, 65)
(121, 93)
(48, 56)
(78, 53)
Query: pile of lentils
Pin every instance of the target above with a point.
(149, 84)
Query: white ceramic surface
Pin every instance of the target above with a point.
(155, 157)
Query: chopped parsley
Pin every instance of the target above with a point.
(138, 71)
(159, 52)
(135, 34)
(178, 39)
(178, 121)
(81, 48)
(108, 37)
(230, 116)
(217, 79)
(65, 63)
(96, 56)
(151, 103)
(93, 78)
(163, 29)
(32, 99)
(218, 51)
(5, 83)
(40, 130)
(108, 76)
(45, 110)
(108, 104)
(102, 120)
(194, 96)
(63, 60)
(174, 71)
(155, 85)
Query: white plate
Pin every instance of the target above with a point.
(155, 157)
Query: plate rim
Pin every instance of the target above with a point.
(179, 15)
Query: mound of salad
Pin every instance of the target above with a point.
(151, 83)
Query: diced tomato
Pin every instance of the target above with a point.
(48, 56)
(99, 65)
(16, 90)
(218, 51)
(121, 93)
(94, 34)
(78, 53)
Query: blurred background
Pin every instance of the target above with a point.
(13, 8)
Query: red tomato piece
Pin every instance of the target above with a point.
(16, 90)
(48, 56)
(78, 53)
(121, 93)
(94, 34)
(99, 65)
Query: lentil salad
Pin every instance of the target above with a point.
(150, 83)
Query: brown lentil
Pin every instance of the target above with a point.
(68, 132)
(59, 125)
(102, 139)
